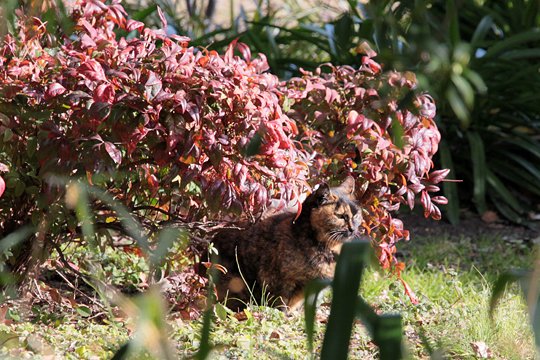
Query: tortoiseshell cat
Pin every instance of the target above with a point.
(281, 255)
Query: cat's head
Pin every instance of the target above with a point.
(333, 212)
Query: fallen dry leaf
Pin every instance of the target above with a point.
(482, 350)
(3, 313)
(490, 217)
(241, 316)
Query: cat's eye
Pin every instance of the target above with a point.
(344, 217)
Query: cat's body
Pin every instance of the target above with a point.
(278, 256)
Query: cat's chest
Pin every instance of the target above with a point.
(321, 262)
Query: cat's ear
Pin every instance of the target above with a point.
(323, 195)
(347, 186)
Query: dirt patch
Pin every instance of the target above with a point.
(471, 226)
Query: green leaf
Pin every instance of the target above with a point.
(530, 167)
(465, 89)
(476, 80)
(386, 330)
(343, 31)
(254, 145)
(143, 13)
(84, 311)
(311, 294)
(397, 133)
(478, 158)
(481, 30)
(349, 269)
(506, 210)
(458, 107)
(526, 144)
(221, 312)
(521, 54)
(13, 315)
(453, 21)
(503, 192)
(449, 188)
(513, 41)
(515, 174)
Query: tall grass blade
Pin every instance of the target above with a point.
(311, 295)
(502, 282)
(349, 269)
(132, 226)
(10, 241)
(386, 330)
(528, 282)
(166, 238)
(389, 337)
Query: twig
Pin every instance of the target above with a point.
(81, 292)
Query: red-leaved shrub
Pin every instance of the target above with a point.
(155, 121)
(191, 134)
(370, 124)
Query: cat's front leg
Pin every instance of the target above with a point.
(296, 301)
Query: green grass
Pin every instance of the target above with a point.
(451, 277)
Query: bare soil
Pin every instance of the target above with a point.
(472, 226)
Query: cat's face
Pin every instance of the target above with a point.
(335, 215)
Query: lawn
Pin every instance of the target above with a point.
(451, 276)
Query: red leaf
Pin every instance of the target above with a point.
(100, 111)
(92, 70)
(113, 152)
(53, 90)
(152, 86)
(104, 93)
(410, 293)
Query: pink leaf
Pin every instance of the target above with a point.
(244, 50)
(162, 18)
(134, 25)
(440, 200)
(2, 186)
(438, 176)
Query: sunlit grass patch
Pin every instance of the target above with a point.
(451, 277)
